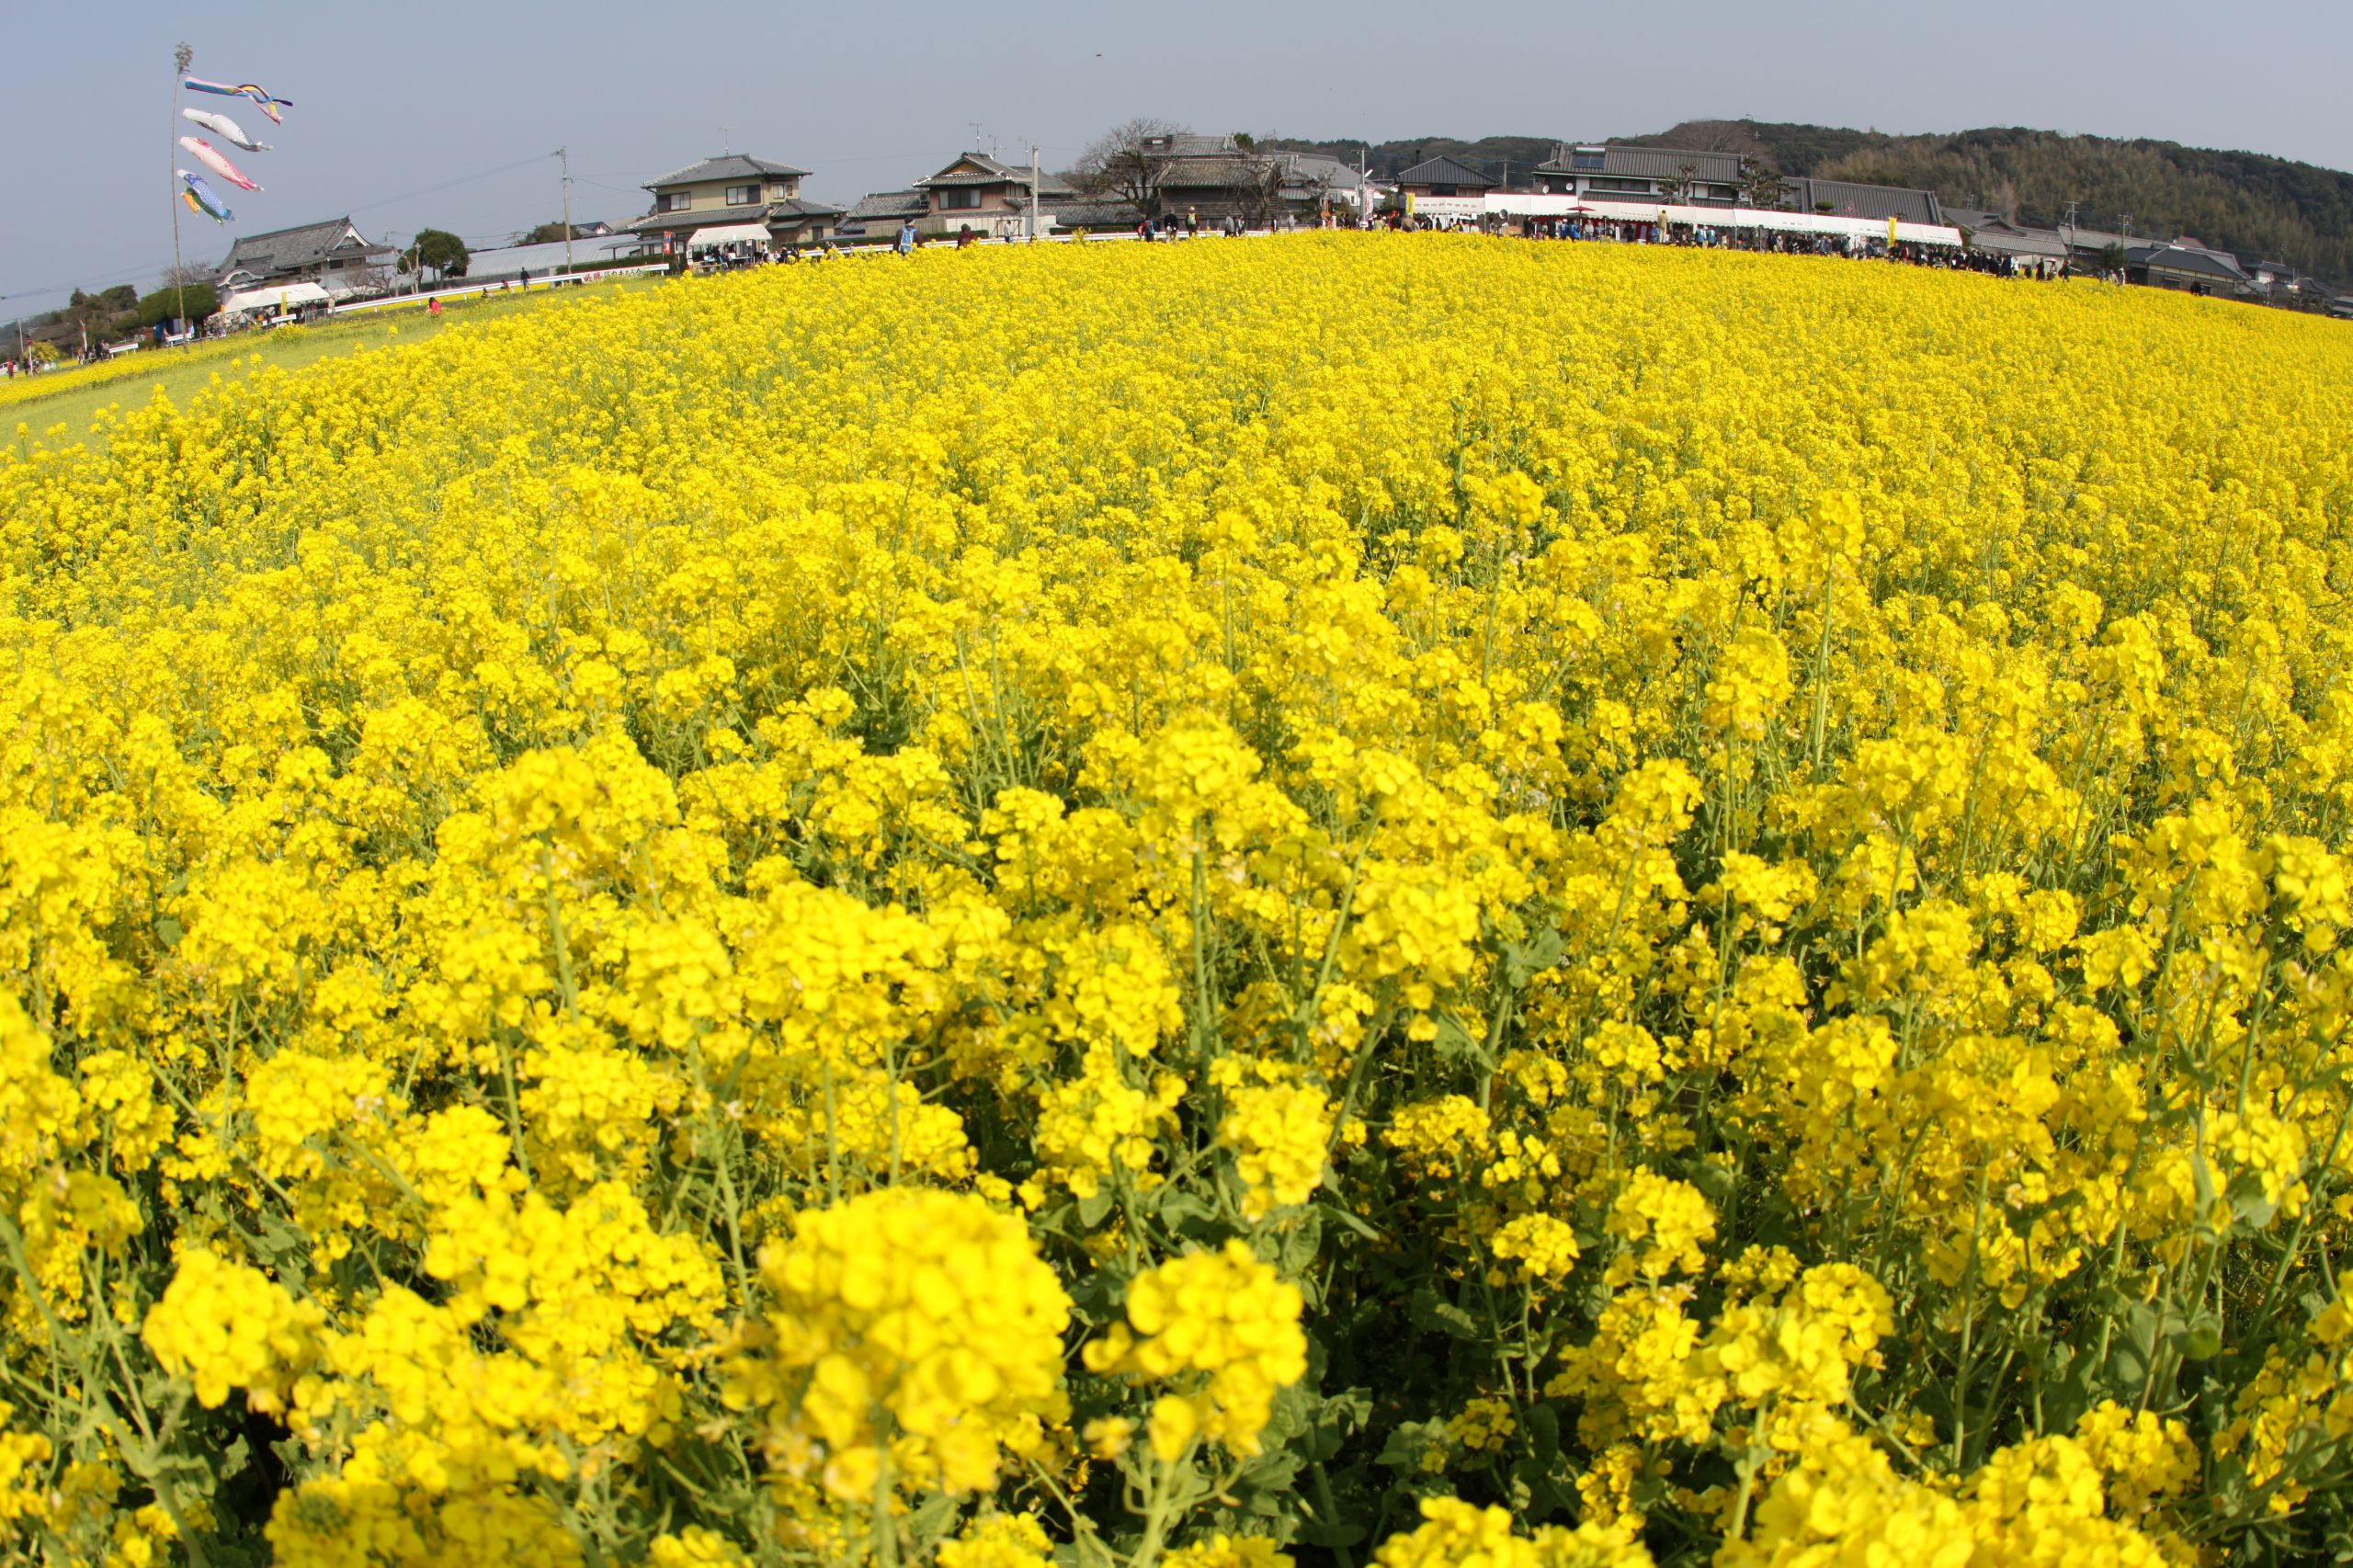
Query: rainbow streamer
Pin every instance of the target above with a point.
(261, 98)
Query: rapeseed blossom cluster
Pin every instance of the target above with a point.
(1355, 899)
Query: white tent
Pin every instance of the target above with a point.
(282, 297)
(719, 234)
(1519, 204)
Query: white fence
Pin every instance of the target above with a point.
(495, 286)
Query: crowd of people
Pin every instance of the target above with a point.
(1708, 236)
(1189, 225)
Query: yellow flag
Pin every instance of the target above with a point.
(1891, 229)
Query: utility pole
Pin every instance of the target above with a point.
(566, 153)
(182, 57)
(1033, 193)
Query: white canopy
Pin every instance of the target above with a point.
(282, 297)
(728, 234)
(1530, 204)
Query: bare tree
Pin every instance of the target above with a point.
(1258, 188)
(1121, 164)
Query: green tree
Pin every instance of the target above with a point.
(1761, 186)
(442, 251)
(96, 313)
(164, 303)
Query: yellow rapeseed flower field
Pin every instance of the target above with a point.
(1348, 899)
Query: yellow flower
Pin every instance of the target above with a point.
(1220, 1327)
(225, 1326)
(929, 1306)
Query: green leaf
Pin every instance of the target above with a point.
(1544, 1433)
(1336, 1418)
(1408, 1441)
(1301, 1244)
(2200, 1339)
(1455, 1043)
(2250, 1210)
(1431, 1310)
(1179, 1208)
(1354, 1223)
(1092, 1208)
(1524, 960)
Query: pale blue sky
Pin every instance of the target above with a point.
(391, 100)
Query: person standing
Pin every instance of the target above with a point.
(906, 235)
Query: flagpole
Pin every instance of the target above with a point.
(182, 57)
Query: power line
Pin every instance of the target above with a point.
(453, 184)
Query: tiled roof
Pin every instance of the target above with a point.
(733, 165)
(1445, 171)
(1314, 168)
(757, 212)
(1096, 214)
(1227, 173)
(2099, 239)
(888, 204)
(1849, 200)
(305, 246)
(1186, 144)
(1649, 162)
(2187, 259)
(986, 170)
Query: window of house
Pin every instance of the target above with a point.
(743, 195)
(780, 192)
(960, 197)
(673, 201)
(1441, 191)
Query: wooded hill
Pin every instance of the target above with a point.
(2256, 205)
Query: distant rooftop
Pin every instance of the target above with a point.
(1445, 171)
(729, 166)
(1618, 160)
